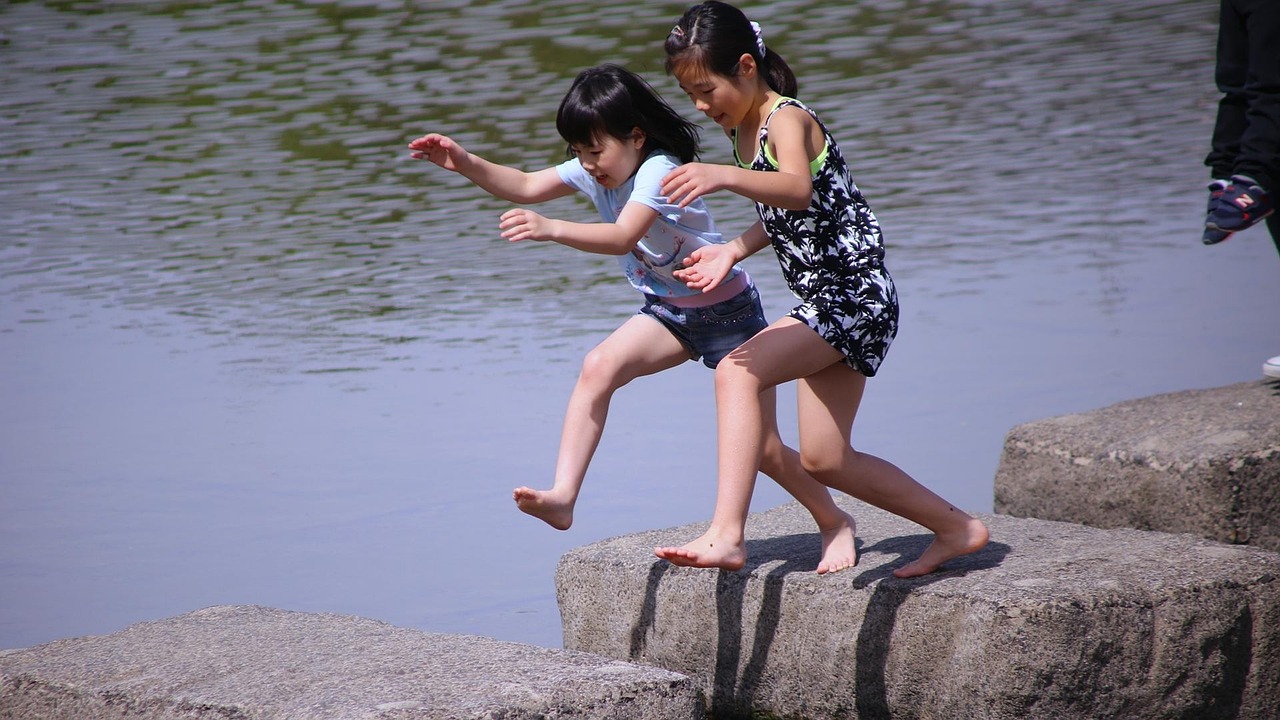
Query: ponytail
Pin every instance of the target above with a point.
(778, 74)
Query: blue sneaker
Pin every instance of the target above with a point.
(1242, 205)
(1213, 236)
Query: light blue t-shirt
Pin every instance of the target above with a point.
(665, 245)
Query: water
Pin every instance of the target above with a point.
(252, 353)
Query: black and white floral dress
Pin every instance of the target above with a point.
(832, 256)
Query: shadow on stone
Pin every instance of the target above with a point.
(1050, 620)
(878, 622)
(730, 692)
(648, 610)
(735, 692)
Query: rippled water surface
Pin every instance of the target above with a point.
(252, 353)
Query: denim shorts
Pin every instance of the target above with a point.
(712, 331)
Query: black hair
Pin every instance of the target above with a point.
(609, 100)
(715, 35)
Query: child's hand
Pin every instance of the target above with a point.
(691, 181)
(439, 149)
(521, 224)
(706, 267)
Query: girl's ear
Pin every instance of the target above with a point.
(638, 137)
(747, 66)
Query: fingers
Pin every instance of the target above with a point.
(420, 148)
(516, 225)
(429, 142)
(676, 185)
(690, 278)
(683, 192)
(690, 273)
(697, 277)
(509, 223)
(432, 146)
(685, 184)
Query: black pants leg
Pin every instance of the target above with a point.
(1246, 136)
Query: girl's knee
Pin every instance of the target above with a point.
(823, 464)
(601, 370)
(732, 377)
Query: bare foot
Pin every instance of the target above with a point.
(547, 507)
(945, 547)
(839, 550)
(707, 551)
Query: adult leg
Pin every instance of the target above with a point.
(641, 346)
(828, 404)
(1259, 154)
(836, 527)
(1231, 72)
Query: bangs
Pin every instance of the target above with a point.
(580, 125)
(597, 107)
(690, 61)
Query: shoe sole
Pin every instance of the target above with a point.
(1208, 240)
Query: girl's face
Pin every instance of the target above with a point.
(726, 100)
(612, 160)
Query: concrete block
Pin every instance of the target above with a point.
(1052, 620)
(249, 662)
(1205, 462)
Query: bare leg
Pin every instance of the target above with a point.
(836, 527)
(828, 399)
(740, 427)
(641, 346)
(723, 545)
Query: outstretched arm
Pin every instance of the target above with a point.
(708, 266)
(500, 181)
(615, 238)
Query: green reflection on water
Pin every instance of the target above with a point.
(212, 129)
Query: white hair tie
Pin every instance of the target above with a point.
(759, 37)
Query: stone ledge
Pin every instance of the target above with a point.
(255, 662)
(1205, 462)
(1051, 620)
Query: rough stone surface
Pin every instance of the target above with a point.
(266, 664)
(1051, 620)
(1205, 462)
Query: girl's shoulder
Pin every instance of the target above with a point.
(660, 158)
(655, 167)
(792, 110)
(790, 118)
(794, 124)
